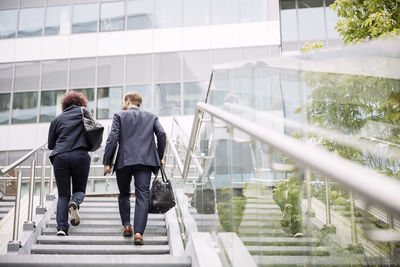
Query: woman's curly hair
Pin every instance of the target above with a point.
(73, 98)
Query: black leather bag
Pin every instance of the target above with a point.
(204, 197)
(93, 130)
(161, 194)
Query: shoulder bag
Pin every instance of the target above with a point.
(93, 130)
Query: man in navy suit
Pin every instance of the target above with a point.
(137, 155)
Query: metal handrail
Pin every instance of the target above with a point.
(21, 160)
(366, 182)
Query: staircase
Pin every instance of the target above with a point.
(98, 241)
(6, 204)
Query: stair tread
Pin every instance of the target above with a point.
(99, 260)
(306, 260)
(279, 241)
(104, 231)
(105, 223)
(99, 249)
(150, 240)
(292, 250)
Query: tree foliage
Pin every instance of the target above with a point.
(367, 19)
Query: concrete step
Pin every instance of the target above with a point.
(285, 250)
(99, 224)
(308, 261)
(280, 241)
(100, 260)
(109, 210)
(100, 240)
(5, 209)
(261, 232)
(104, 199)
(6, 204)
(104, 231)
(111, 216)
(99, 249)
(8, 198)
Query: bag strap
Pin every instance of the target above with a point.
(163, 175)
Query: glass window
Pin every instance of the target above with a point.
(331, 20)
(147, 94)
(251, 53)
(30, 22)
(24, 107)
(32, 3)
(58, 20)
(196, 12)
(27, 76)
(112, 16)
(168, 99)
(4, 108)
(55, 74)
(109, 101)
(84, 18)
(3, 158)
(139, 69)
(226, 55)
(6, 77)
(311, 20)
(8, 23)
(50, 104)
(168, 67)
(193, 92)
(111, 70)
(255, 10)
(167, 13)
(288, 20)
(196, 65)
(225, 11)
(89, 94)
(82, 72)
(140, 14)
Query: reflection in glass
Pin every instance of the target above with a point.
(89, 94)
(311, 20)
(167, 67)
(140, 14)
(225, 11)
(83, 72)
(196, 12)
(5, 77)
(30, 22)
(331, 20)
(27, 76)
(139, 69)
(8, 23)
(4, 108)
(112, 16)
(24, 107)
(288, 20)
(50, 105)
(111, 70)
(193, 92)
(255, 10)
(84, 18)
(196, 65)
(167, 13)
(147, 94)
(58, 20)
(168, 99)
(54, 74)
(109, 101)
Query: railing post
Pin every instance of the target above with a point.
(310, 212)
(51, 196)
(15, 244)
(30, 224)
(41, 209)
(328, 227)
(354, 246)
(192, 140)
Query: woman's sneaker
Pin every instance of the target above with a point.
(73, 210)
(61, 233)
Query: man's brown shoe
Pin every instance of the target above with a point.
(138, 239)
(128, 231)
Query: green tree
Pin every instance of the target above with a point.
(367, 19)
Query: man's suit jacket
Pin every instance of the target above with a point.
(66, 132)
(134, 129)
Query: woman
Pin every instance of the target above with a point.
(70, 159)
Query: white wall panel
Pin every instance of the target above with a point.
(194, 38)
(27, 49)
(226, 35)
(83, 45)
(138, 42)
(55, 47)
(112, 43)
(167, 40)
(7, 50)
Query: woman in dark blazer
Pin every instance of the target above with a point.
(70, 159)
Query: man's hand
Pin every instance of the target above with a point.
(107, 169)
(162, 163)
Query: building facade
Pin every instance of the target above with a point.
(164, 49)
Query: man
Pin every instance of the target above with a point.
(137, 155)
